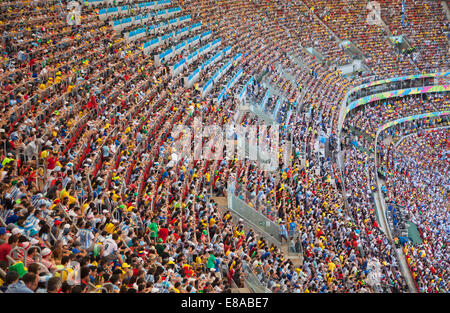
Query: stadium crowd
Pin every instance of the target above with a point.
(96, 195)
(417, 183)
(359, 175)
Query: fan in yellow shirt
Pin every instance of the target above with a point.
(110, 228)
(67, 273)
(329, 279)
(65, 194)
(331, 266)
(84, 207)
(260, 244)
(115, 196)
(237, 233)
(44, 154)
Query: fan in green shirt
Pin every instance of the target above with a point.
(211, 261)
(160, 247)
(153, 229)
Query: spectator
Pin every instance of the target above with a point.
(27, 284)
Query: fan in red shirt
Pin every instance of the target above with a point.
(92, 104)
(163, 233)
(51, 162)
(6, 247)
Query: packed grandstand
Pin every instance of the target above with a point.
(111, 180)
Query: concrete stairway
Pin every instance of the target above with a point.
(297, 60)
(222, 202)
(297, 260)
(288, 76)
(380, 213)
(273, 90)
(259, 113)
(241, 290)
(243, 109)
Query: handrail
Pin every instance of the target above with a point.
(60, 208)
(108, 287)
(270, 237)
(10, 255)
(2, 222)
(91, 288)
(26, 255)
(42, 266)
(253, 281)
(11, 261)
(2, 274)
(267, 236)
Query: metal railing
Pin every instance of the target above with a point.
(256, 219)
(252, 280)
(295, 247)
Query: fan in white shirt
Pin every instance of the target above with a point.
(110, 246)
